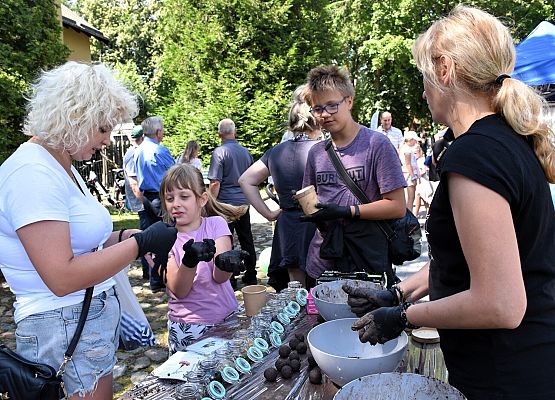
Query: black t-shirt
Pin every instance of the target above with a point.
(499, 363)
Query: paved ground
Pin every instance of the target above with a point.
(134, 365)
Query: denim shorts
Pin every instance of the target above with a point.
(45, 337)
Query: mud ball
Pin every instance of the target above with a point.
(284, 351)
(287, 372)
(271, 374)
(294, 355)
(293, 343)
(299, 337)
(315, 376)
(280, 362)
(311, 361)
(302, 348)
(296, 365)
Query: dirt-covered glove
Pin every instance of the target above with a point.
(231, 261)
(381, 325)
(328, 212)
(195, 252)
(363, 300)
(158, 238)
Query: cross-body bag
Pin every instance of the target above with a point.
(24, 379)
(404, 235)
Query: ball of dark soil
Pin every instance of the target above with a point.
(315, 376)
(280, 362)
(293, 343)
(299, 336)
(287, 372)
(302, 348)
(311, 361)
(294, 355)
(296, 365)
(284, 351)
(271, 374)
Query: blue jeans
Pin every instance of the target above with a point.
(44, 338)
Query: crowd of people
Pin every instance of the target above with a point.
(490, 225)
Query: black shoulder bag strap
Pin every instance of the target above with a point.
(354, 188)
(82, 319)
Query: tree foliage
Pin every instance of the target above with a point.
(30, 33)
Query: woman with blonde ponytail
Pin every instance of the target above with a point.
(491, 224)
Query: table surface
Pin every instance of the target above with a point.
(253, 386)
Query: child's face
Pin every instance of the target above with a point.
(183, 206)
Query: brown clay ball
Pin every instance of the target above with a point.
(284, 351)
(315, 376)
(271, 374)
(280, 362)
(296, 365)
(302, 348)
(286, 372)
(293, 343)
(294, 355)
(300, 337)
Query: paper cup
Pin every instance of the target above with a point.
(308, 199)
(254, 297)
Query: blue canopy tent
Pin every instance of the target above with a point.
(535, 59)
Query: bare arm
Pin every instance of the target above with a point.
(392, 205)
(114, 237)
(497, 297)
(409, 165)
(214, 188)
(415, 287)
(249, 181)
(134, 184)
(60, 269)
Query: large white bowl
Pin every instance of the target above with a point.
(399, 387)
(331, 300)
(339, 353)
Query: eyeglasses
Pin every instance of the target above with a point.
(330, 108)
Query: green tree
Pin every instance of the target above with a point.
(239, 59)
(31, 41)
(377, 38)
(134, 50)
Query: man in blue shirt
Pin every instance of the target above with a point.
(227, 164)
(152, 160)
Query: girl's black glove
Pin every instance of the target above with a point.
(195, 252)
(231, 261)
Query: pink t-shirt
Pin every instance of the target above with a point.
(208, 302)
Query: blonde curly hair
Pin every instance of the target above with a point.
(68, 104)
(482, 49)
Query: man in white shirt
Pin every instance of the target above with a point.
(393, 134)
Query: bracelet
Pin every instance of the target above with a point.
(404, 309)
(121, 234)
(357, 212)
(400, 294)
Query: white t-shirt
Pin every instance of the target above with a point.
(35, 187)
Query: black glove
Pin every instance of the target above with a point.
(363, 300)
(328, 212)
(158, 238)
(381, 325)
(231, 261)
(194, 252)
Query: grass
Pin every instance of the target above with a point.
(127, 220)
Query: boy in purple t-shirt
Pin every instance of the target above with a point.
(368, 156)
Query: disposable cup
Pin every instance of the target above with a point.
(254, 297)
(308, 199)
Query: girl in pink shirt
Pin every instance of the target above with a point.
(201, 260)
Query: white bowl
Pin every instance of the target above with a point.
(339, 353)
(331, 300)
(399, 387)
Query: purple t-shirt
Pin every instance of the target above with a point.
(208, 302)
(373, 163)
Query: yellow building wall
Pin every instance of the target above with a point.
(79, 45)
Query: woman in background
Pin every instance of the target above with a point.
(190, 155)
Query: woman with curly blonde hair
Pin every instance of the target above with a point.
(491, 224)
(57, 239)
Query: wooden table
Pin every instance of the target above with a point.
(253, 386)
